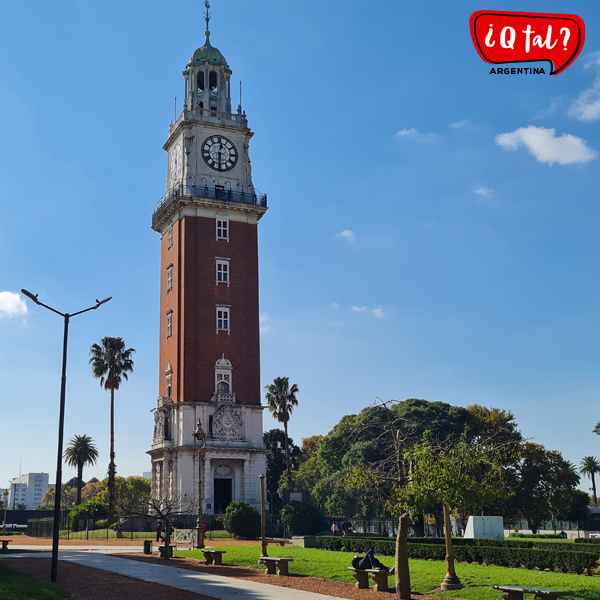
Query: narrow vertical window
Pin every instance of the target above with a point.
(222, 271)
(169, 323)
(222, 229)
(168, 386)
(169, 278)
(170, 237)
(222, 319)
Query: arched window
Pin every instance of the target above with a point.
(201, 81)
(212, 80)
(223, 387)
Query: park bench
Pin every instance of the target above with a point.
(380, 577)
(214, 556)
(161, 549)
(275, 564)
(5, 544)
(515, 592)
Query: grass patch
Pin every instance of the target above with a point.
(426, 576)
(18, 586)
(101, 534)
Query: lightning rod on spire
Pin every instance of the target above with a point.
(207, 17)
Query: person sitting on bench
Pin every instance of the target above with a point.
(368, 561)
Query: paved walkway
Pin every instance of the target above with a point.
(216, 586)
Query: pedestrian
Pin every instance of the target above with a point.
(368, 561)
(335, 528)
(345, 528)
(159, 531)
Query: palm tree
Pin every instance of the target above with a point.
(81, 451)
(281, 400)
(590, 466)
(110, 363)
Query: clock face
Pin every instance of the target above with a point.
(176, 161)
(219, 153)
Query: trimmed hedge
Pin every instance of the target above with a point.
(587, 540)
(545, 536)
(530, 558)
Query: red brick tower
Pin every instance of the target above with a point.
(209, 319)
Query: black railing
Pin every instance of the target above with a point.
(175, 194)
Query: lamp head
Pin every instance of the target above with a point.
(101, 302)
(31, 296)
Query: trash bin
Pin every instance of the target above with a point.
(147, 546)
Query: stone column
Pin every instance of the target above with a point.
(246, 480)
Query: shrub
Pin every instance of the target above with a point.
(242, 520)
(301, 518)
(101, 524)
(587, 540)
(87, 510)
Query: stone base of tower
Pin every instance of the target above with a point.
(231, 461)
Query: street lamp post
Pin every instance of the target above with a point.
(199, 436)
(263, 518)
(61, 422)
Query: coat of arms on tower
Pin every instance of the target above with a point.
(228, 423)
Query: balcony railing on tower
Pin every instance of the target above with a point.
(177, 194)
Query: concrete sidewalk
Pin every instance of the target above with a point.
(82, 548)
(215, 586)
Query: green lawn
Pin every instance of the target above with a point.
(425, 575)
(100, 534)
(17, 586)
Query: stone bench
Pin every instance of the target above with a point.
(515, 592)
(275, 564)
(214, 556)
(161, 549)
(5, 544)
(380, 577)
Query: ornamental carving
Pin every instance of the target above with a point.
(228, 423)
(223, 472)
(159, 426)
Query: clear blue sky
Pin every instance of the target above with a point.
(432, 229)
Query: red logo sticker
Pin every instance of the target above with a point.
(511, 37)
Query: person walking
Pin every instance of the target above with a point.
(159, 531)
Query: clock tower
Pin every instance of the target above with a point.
(209, 367)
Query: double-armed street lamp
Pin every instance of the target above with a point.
(61, 422)
(5, 503)
(200, 443)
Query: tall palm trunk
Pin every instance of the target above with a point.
(287, 457)
(111, 464)
(594, 489)
(79, 480)
(402, 571)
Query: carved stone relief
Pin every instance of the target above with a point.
(228, 423)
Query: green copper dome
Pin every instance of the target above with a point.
(208, 54)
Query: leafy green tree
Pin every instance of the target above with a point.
(274, 441)
(281, 401)
(68, 495)
(87, 510)
(301, 518)
(132, 495)
(111, 362)
(590, 466)
(596, 429)
(81, 452)
(544, 475)
(242, 520)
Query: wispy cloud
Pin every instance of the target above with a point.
(546, 146)
(587, 106)
(551, 110)
(484, 191)
(413, 134)
(378, 312)
(347, 235)
(334, 305)
(460, 124)
(12, 305)
(264, 320)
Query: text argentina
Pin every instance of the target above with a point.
(518, 71)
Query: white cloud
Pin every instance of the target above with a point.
(546, 147)
(334, 305)
(347, 235)
(264, 322)
(413, 134)
(551, 110)
(587, 106)
(12, 305)
(460, 124)
(378, 312)
(484, 191)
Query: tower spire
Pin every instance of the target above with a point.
(207, 17)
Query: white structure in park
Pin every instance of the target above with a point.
(28, 489)
(488, 528)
